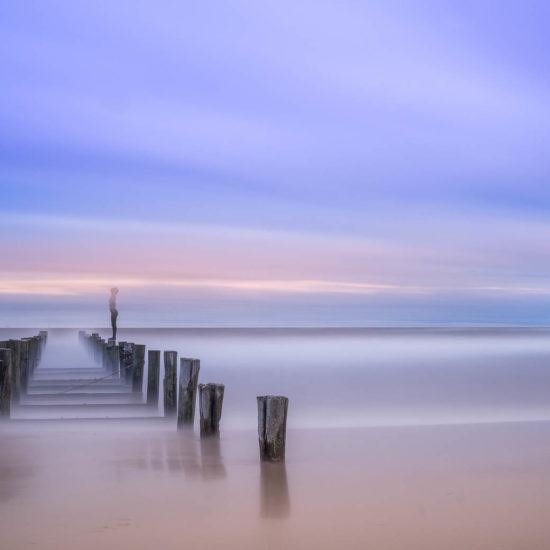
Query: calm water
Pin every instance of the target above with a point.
(357, 377)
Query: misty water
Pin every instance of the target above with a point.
(424, 438)
(355, 377)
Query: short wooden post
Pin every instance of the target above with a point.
(170, 382)
(210, 403)
(5, 382)
(153, 376)
(189, 376)
(137, 370)
(272, 411)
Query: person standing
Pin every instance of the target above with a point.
(113, 309)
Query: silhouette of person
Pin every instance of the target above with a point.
(113, 309)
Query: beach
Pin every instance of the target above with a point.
(389, 445)
(129, 485)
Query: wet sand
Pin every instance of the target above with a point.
(141, 485)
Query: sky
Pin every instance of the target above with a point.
(343, 163)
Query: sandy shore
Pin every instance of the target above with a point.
(127, 485)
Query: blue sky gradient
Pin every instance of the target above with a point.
(275, 163)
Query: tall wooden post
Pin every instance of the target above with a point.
(5, 382)
(170, 382)
(153, 376)
(272, 411)
(211, 401)
(189, 376)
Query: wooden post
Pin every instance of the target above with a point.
(104, 355)
(210, 403)
(113, 359)
(272, 411)
(5, 382)
(43, 334)
(170, 382)
(189, 376)
(33, 358)
(127, 362)
(121, 358)
(15, 346)
(137, 370)
(96, 348)
(24, 365)
(153, 376)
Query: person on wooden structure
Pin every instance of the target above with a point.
(113, 309)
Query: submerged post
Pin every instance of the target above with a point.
(211, 401)
(5, 382)
(170, 382)
(153, 376)
(189, 376)
(139, 363)
(272, 411)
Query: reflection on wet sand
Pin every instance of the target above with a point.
(177, 452)
(15, 468)
(211, 459)
(275, 497)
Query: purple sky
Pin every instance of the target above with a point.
(275, 163)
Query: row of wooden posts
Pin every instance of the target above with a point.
(126, 360)
(18, 359)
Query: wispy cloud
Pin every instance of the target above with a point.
(348, 151)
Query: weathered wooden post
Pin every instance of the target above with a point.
(113, 359)
(15, 346)
(5, 382)
(189, 376)
(121, 358)
(24, 365)
(272, 411)
(38, 350)
(96, 348)
(43, 334)
(104, 355)
(210, 404)
(127, 362)
(170, 382)
(137, 370)
(32, 354)
(153, 376)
